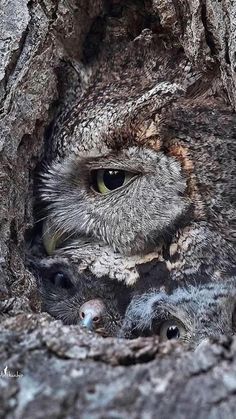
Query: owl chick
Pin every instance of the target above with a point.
(97, 304)
(189, 314)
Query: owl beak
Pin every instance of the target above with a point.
(87, 322)
(91, 313)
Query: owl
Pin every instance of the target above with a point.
(138, 183)
(124, 200)
(189, 314)
(96, 304)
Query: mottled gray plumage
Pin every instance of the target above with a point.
(173, 222)
(190, 314)
(118, 218)
(63, 293)
(203, 289)
(181, 184)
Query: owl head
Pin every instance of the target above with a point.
(189, 314)
(98, 304)
(131, 200)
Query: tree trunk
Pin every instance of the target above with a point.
(51, 53)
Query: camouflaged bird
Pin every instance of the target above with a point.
(96, 304)
(190, 314)
(139, 178)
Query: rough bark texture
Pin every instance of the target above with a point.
(45, 48)
(68, 373)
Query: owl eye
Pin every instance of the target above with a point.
(172, 329)
(107, 180)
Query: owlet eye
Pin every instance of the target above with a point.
(172, 329)
(107, 180)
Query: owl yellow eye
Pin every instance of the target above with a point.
(172, 329)
(107, 180)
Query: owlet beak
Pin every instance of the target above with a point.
(87, 322)
(91, 313)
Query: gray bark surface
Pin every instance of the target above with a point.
(45, 47)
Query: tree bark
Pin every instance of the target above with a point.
(50, 52)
